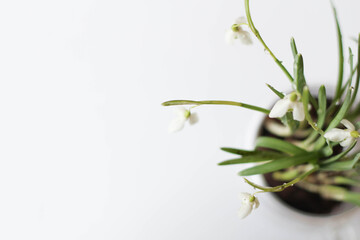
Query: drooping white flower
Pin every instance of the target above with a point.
(289, 102)
(237, 32)
(182, 115)
(345, 136)
(248, 203)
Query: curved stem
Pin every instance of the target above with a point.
(216, 102)
(257, 34)
(285, 185)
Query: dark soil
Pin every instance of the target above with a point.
(302, 200)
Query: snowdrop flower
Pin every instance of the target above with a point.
(289, 102)
(345, 136)
(248, 203)
(236, 32)
(182, 115)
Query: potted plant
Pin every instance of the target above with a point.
(305, 147)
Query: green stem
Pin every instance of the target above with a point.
(216, 102)
(283, 186)
(257, 34)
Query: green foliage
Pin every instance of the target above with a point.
(299, 73)
(278, 145)
(280, 163)
(340, 165)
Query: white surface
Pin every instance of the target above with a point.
(84, 148)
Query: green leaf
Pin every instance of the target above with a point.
(248, 159)
(293, 47)
(340, 155)
(305, 100)
(357, 109)
(288, 120)
(341, 56)
(343, 110)
(251, 153)
(352, 197)
(322, 106)
(336, 120)
(357, 125)
(250, 156)
(341, 165)
(280, 95)
(299, 73)
(279, 164)
(357, 80)
(346, 181)
(279, 145)
(239, 151)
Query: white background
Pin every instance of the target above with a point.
(85, 152)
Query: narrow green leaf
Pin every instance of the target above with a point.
(343, 110)
(341, 165)
(357, 125)
(251, 153)
(299, 73)
(352, 197)
(247, 159)
(357, 80)
(351, 60)
(238, 151)
(321, 112)
(279, 145)
(346, 181)
(336, 120)
(279, 164)
(305, 100)
(289, 121)
(293, 47)
(341, 56)
(280, 95)
(340, 155)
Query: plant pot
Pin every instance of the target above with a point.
(342, 223)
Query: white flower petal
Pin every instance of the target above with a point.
(337, 135)
(177, 124)
(241, 20)
(280, 108)
(246, 205)
(348, 124)
(193, 118)
(244, 37)
(180, 111)
(347, 142)
(230, 36)
(257, 203)
(298, 111)
(244, 210)
(244, 196)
